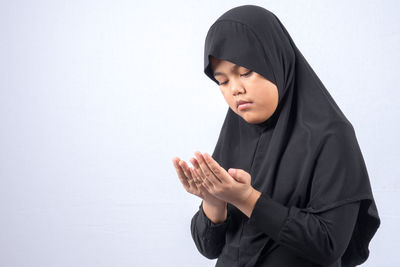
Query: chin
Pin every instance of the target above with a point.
(253, 120)
(250, 119)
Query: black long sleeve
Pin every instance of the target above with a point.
(209, 237)
(318, 237)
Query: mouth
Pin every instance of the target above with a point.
(242, 102)
(241, 105)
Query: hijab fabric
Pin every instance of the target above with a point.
(306, 154)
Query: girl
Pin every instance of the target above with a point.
(286, 184)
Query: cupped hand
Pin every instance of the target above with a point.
(233, 186)
(192, 182)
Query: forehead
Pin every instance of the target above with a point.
(217, 63)
(221, 66)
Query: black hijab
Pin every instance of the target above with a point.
(306, 154)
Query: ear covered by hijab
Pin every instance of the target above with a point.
(306, 154)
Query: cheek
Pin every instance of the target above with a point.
(270, 99)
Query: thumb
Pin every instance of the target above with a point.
(237, 175)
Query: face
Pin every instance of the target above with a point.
(238, 83)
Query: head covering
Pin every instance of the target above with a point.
(306, 154)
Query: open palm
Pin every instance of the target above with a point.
(192, 182)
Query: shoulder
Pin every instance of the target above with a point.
(337, 135)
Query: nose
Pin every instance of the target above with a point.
(236, 86)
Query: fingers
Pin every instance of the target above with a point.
(199, 173)
(218, 171)
(185, 176)
(206, 170)
(197, 179)
(203, 182)
(188, 174)
(180, 172)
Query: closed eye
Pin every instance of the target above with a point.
(241, 75)
(247, 73)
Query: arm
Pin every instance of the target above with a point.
(209, 236)
(217, 214)
(319, 237)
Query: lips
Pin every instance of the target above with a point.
(240, 102)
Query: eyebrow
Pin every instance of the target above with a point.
(232, 69)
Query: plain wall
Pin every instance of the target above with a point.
(97, 97)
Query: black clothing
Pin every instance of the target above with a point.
(317, 206)
(299, 238)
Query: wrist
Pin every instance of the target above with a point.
(215, 203)
(216, 214)
(247, 205)
(244, 199)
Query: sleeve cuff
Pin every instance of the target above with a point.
(269, 216)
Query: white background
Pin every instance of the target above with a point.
(97, 97)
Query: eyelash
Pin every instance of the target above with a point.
(245, 74)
